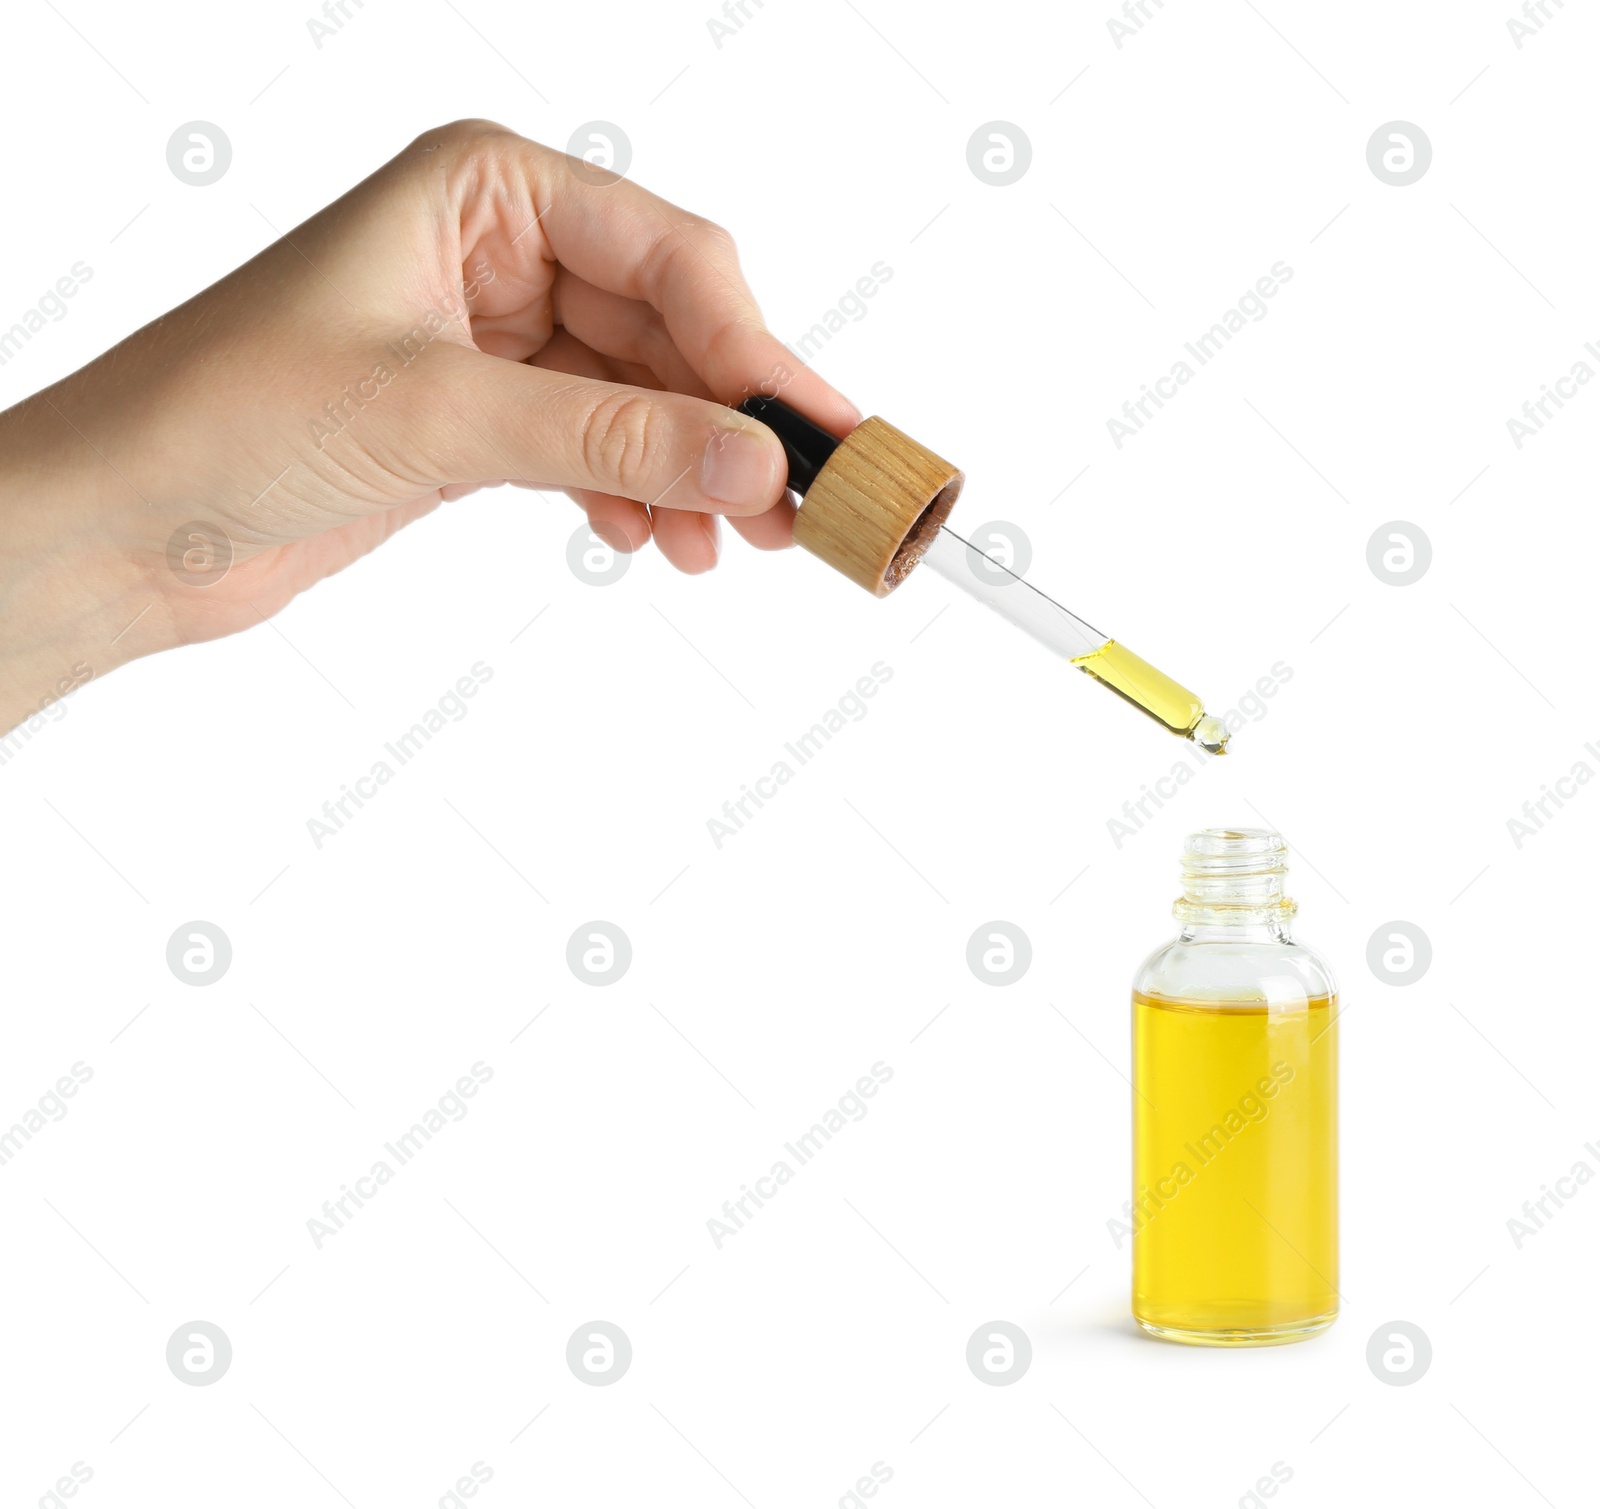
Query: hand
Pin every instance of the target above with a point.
(482, 309)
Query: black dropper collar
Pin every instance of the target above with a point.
(807, 446)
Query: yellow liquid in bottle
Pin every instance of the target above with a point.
(1149, 690)
(1236, 1168)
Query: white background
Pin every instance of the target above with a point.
(1166, 177)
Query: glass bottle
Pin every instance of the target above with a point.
(1235, 1209)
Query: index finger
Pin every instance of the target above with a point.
(616, 234)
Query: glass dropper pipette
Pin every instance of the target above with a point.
(874, 505)
(1111, 664)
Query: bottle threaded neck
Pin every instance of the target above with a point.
(1234, 877)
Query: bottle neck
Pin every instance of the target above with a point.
(1233, 888)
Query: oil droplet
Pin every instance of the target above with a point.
(1210, 735)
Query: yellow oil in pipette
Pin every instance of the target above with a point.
(1154, 692)
(1113, 665)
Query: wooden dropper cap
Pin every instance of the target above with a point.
(871, 503)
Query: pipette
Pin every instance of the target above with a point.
(873, 507)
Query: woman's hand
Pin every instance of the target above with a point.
(481, 309)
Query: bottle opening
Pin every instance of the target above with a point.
(1234, 876)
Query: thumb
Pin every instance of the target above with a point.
(492, 418)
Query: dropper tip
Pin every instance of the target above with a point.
(1210, 735)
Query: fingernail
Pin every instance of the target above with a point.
(740, 468)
